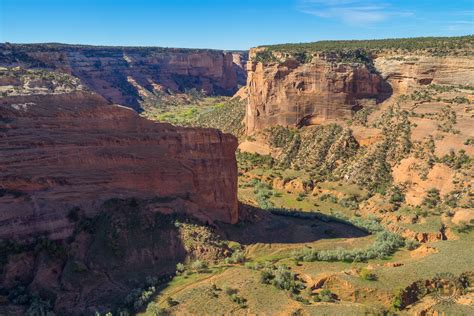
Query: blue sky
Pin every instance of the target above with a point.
(228, 24)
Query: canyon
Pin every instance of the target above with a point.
(67, 150)
(87, 186)
(347, 173)
(286, 91)
(118, 73)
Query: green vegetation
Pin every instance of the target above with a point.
(318, 148)
(385, 245)
(282, 278)
(432, 198)
(324, 296)
(362, 51)
(456, 161)
(227, 117)
(367, 274)
(46, 81)
(435, 45)
(239, 300)
(213, 112)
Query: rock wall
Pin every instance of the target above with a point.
(410, 71)
(291, 93)
(113, 72)
(72, 150)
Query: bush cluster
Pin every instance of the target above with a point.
(385, 245)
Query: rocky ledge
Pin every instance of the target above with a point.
(73, 151)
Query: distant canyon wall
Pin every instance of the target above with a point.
(114, 72)
(407, 72)
(294, 93)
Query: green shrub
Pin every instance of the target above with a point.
(236, 257)
(432, 198)
(367, 274)
(171, 302)
(138, 297)
(397, 196)
(385, 245)
(326, 296)
(411, 244)
(282, 278)
(199, 265)
(180, 268)
(154, 310)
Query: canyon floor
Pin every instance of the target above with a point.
(442, 234)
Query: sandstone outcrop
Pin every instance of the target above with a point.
(69, 150)
(292, 93)
(114, 72)
(409, 71)
(285, 91)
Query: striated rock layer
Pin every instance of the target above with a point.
(409, 71)
(114, 72)
(292, 93)
(72, 150)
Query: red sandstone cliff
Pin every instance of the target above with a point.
(284, 91)
(74, 150)
(291, 93)
(114, 72)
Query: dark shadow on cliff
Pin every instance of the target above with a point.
(279, 226)
(112, 260)
(386, 90)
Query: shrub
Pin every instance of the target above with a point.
(230, 291)
(180, 268)
(237, 257)
(411, 244)
(397, 196)
(349, 202)
(367, 274)
(464, 227)
(238, 300)
(397, 302)
(282, 278)
(199, 265)
(266, 277)
(154, 310)
(171, 302)
(139, 297)
(326, 296)
(39, 306)
(328, 197)
(385, 245)
(432, 198)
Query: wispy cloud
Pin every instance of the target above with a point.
(358, 12)
(461, 26)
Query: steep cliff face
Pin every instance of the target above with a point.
(61, 151)
(114, 72)
(293, 93)
(408, 71)
(299, 87)
(96, 201)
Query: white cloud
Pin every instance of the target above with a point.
(356, 12)
(461, 26)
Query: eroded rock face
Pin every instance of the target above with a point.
(115, 72)
(410, 71)
(292, 93)
(75, 150)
